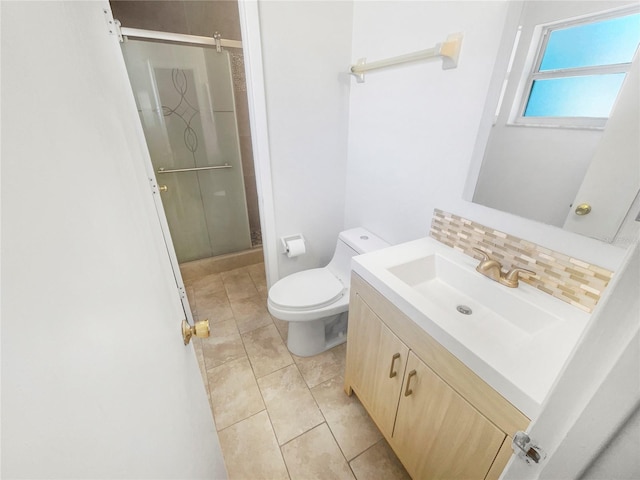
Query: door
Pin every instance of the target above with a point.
(439, 433)
(605, 174)
(597, 390)
(96, 381)
(378, 364)
(185, 99)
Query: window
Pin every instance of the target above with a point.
(578, 71)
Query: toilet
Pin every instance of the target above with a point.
(315, 302)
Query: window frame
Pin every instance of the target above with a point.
(531, 73)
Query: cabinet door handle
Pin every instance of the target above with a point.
(393, 361)
(407, 390)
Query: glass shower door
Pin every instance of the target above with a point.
(186, 104)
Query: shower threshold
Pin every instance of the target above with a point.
(196, 269)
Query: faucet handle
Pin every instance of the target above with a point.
(511, 279)
(488, 266)
(485, 255)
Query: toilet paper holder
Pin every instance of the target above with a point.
(285, 241)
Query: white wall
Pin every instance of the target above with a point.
(412, 129)
(619, 460)
(534, 172)
(306, 50)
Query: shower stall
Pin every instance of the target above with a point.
(185, 99)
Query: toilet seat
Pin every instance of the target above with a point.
(306, 290)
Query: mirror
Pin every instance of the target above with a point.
(537, 172)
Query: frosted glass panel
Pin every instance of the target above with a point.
(185, 100)
(599, 43)
(179, 105)
(588, 96)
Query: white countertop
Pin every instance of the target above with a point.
(521, 365)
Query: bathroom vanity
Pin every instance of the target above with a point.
(440, 418)
(448, 390)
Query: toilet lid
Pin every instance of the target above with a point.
(306, 290)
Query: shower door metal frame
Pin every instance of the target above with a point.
(183, 38)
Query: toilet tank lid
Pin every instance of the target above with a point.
(362, 240)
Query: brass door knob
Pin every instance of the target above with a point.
(200, 330)
(163, 188)
(583, 209)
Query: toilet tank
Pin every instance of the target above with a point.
(355, 241)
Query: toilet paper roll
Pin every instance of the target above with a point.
(295, 247)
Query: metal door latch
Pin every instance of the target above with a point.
(525, 449)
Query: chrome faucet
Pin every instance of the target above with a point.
(490, 267)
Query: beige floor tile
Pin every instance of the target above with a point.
(239, 285)
(257, 274)
(234, 392)
(349, 422)
(234, 272)
(379, 463)
(214, 306)
(237, 273)
(289, 402)
(223, 345)
(208, 284)
(251, 313)
(283, 328)
(266, 350)
(322, 367)
(191, 296)
(315, 455)
(197, 349)
(247, 343)
(243, 462)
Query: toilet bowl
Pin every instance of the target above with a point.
(315, 302)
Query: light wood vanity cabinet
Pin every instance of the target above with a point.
(438, 432)
(379, 361)
(440, 418)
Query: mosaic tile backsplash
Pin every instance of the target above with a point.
(571, 280)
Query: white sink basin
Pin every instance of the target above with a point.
(516, 339)
(467, 296)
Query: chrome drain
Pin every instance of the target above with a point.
(463, 309)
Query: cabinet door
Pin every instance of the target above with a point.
(438, 434)
(376, 365)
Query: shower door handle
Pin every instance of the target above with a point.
(194, 169)
(163, 188)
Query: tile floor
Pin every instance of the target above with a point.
(279, 416)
